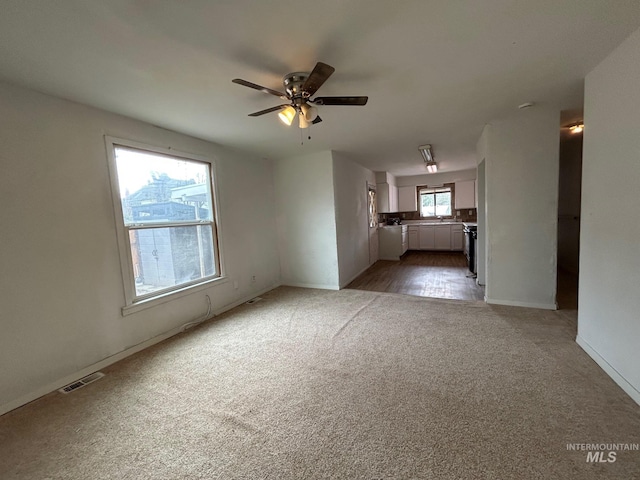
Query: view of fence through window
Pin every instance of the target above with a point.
(167, 211)
(435, 202)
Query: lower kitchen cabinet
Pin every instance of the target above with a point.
(457, 238)
(442, 237)
(427, 240)
(394, 242)
(436, 237)
(414, 238)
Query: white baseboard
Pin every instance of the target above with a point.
(544, 306)
(320, 286)
(344, 284)
(609, 370)
(61, 382)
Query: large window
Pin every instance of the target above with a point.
(435, 202)
(168, 223)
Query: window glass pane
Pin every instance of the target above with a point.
(443, 203)
(427, 205)
(373, 212)
(156, 188)
(169, 256)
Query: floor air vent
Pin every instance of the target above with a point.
(254, 300)
(82, 382)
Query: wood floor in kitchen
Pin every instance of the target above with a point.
(423, 274)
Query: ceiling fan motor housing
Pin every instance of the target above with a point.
(293, 83)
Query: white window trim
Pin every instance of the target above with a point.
(132, 304)
(434, 190)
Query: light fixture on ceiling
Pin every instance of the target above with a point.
(287, 115)
(427, 156)
(577, 128)
(307, 115)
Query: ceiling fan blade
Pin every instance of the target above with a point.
(321, 72)
(268, 110)
(341, 100)
(239, 81)
(316, 120)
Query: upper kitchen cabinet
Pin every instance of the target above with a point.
(387, 192)
(407, 199)
(465, 194)
(387, 196)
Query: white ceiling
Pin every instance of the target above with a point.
(435, 71)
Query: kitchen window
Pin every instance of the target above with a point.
(166, 220)
(435, 202)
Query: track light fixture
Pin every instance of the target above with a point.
(427, 156)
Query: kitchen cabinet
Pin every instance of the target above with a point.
(465, 195)
(394, 242)
(427, 237)
(448, 237)
(407, 199)
(457, 238)
(414, 238)
(393, 198)
(387, 196)
(442, 237)
(405, 239)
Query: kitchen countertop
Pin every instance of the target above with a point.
(393, 226)
(432, 223)
(414, 223)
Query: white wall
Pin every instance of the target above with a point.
(609, 300)
(436, 178)
(352, 216)
(483, 251)
(481, 246)
(305, 209)
(61, 289)
(521, 169)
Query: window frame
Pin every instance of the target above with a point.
(452, 189)
(134, 302)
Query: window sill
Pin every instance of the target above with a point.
(170, 296)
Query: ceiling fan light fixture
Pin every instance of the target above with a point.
(287, 115)
(310, 113)
(302, 121)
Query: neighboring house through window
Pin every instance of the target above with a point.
(166, 220)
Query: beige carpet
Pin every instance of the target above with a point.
(310, 384)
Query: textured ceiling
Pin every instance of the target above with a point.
(435, 71)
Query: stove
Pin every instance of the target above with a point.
(470, 246)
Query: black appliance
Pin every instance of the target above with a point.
(470, 247)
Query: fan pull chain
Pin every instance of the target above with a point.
(301, 135)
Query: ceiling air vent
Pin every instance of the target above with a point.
(82, 382)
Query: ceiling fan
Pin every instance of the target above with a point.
(299, 88)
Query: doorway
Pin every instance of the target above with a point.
(569, 194)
